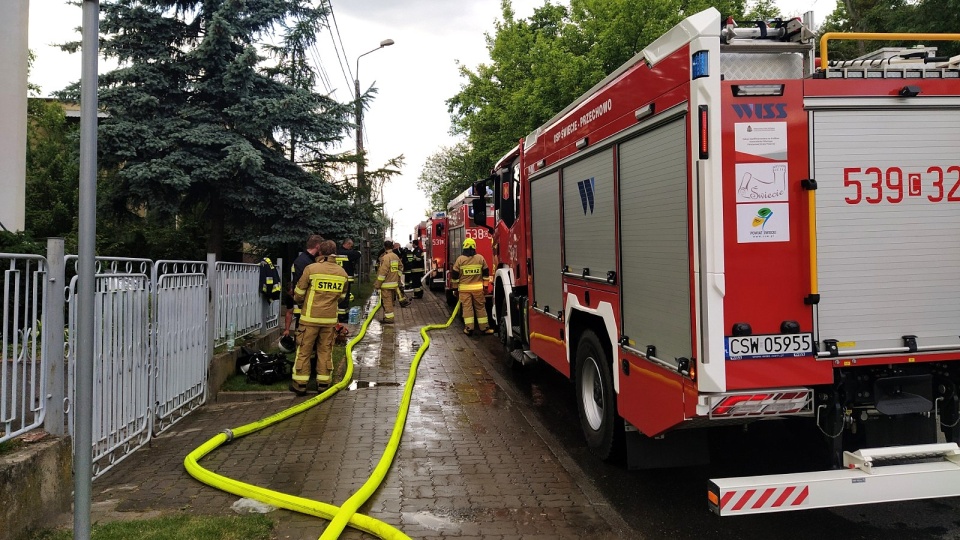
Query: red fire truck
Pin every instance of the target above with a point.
(461, 225)
(435, 249)
(718, 234)
(420, 233)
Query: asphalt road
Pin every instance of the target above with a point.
(671, 503)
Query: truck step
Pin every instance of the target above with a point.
(866, 480)
(523, 357)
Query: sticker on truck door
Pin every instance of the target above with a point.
(762, 139)
(768, 346)
(763, 223)
(762, 182)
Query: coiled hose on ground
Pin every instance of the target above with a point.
(346, 514)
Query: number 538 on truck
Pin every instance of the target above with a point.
(728, 230)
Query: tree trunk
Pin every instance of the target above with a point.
(214, 215)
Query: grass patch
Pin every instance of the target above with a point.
(239, 383)
(180, 527)
(9, 446)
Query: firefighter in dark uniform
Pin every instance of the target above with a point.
(418, 269)
(348, 259)
(389, 279)
(412, 271)
(307, 257)
(470, 275)
(318, 291)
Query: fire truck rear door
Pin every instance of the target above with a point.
(888, 224)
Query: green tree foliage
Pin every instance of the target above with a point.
(541, 64)
(536, 68)
(613, 31)
(762, 10)
(446, 174)
(194, 121)
(923, 16)
(53, 172)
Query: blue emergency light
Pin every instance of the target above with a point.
(700, 65)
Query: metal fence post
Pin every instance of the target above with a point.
(52, 356)
(264, 314)
(212, 302)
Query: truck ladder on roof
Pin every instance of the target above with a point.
(866, 480)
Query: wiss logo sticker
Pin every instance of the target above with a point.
(761, 111)
(586, 188)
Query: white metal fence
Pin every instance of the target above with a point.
(181, 343)
(121, 358)
(152, 346)
(21, 374)
(238, 302)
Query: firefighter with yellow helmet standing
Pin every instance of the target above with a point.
(389, 279)
(319, 290)
(470, 275)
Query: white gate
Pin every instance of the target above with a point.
(181, 341)
(121, 359)
(21, 375)
(151, 344)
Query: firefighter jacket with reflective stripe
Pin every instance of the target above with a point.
(349, 259)
(390, 272)
(302, 261)
(319, 290)
(412, 262)
(269, 280)
(470, 272)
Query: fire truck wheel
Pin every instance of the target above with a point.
(502, 333)
(451, 298)
(602, 426)
(507, 343)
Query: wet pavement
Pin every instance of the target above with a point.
(472, 462)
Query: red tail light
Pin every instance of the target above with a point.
(704, 140)
(763, 404)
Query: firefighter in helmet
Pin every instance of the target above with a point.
(412, 259)
(306, 257)
(349, 259)
(470, 276)
(318, 291)
(389, 279)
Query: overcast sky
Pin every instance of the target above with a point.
(414, 77)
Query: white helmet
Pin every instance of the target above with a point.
(287, 344)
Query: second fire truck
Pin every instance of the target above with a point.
(435, 250)
(460, 225)
(718, 233)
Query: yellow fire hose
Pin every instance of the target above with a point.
(340, 517)
(346, 512)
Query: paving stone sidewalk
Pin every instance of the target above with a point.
(470, 463)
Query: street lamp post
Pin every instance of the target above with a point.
(362, 189)
(391, 222)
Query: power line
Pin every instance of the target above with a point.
(341, 59)
(314, 54)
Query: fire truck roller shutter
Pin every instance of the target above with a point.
(888, 258)
(588, 215)
(654, 240)
(545, 229)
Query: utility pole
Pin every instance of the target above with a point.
(363, 188)
(363, 194)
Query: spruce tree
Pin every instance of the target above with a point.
(200, 121)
